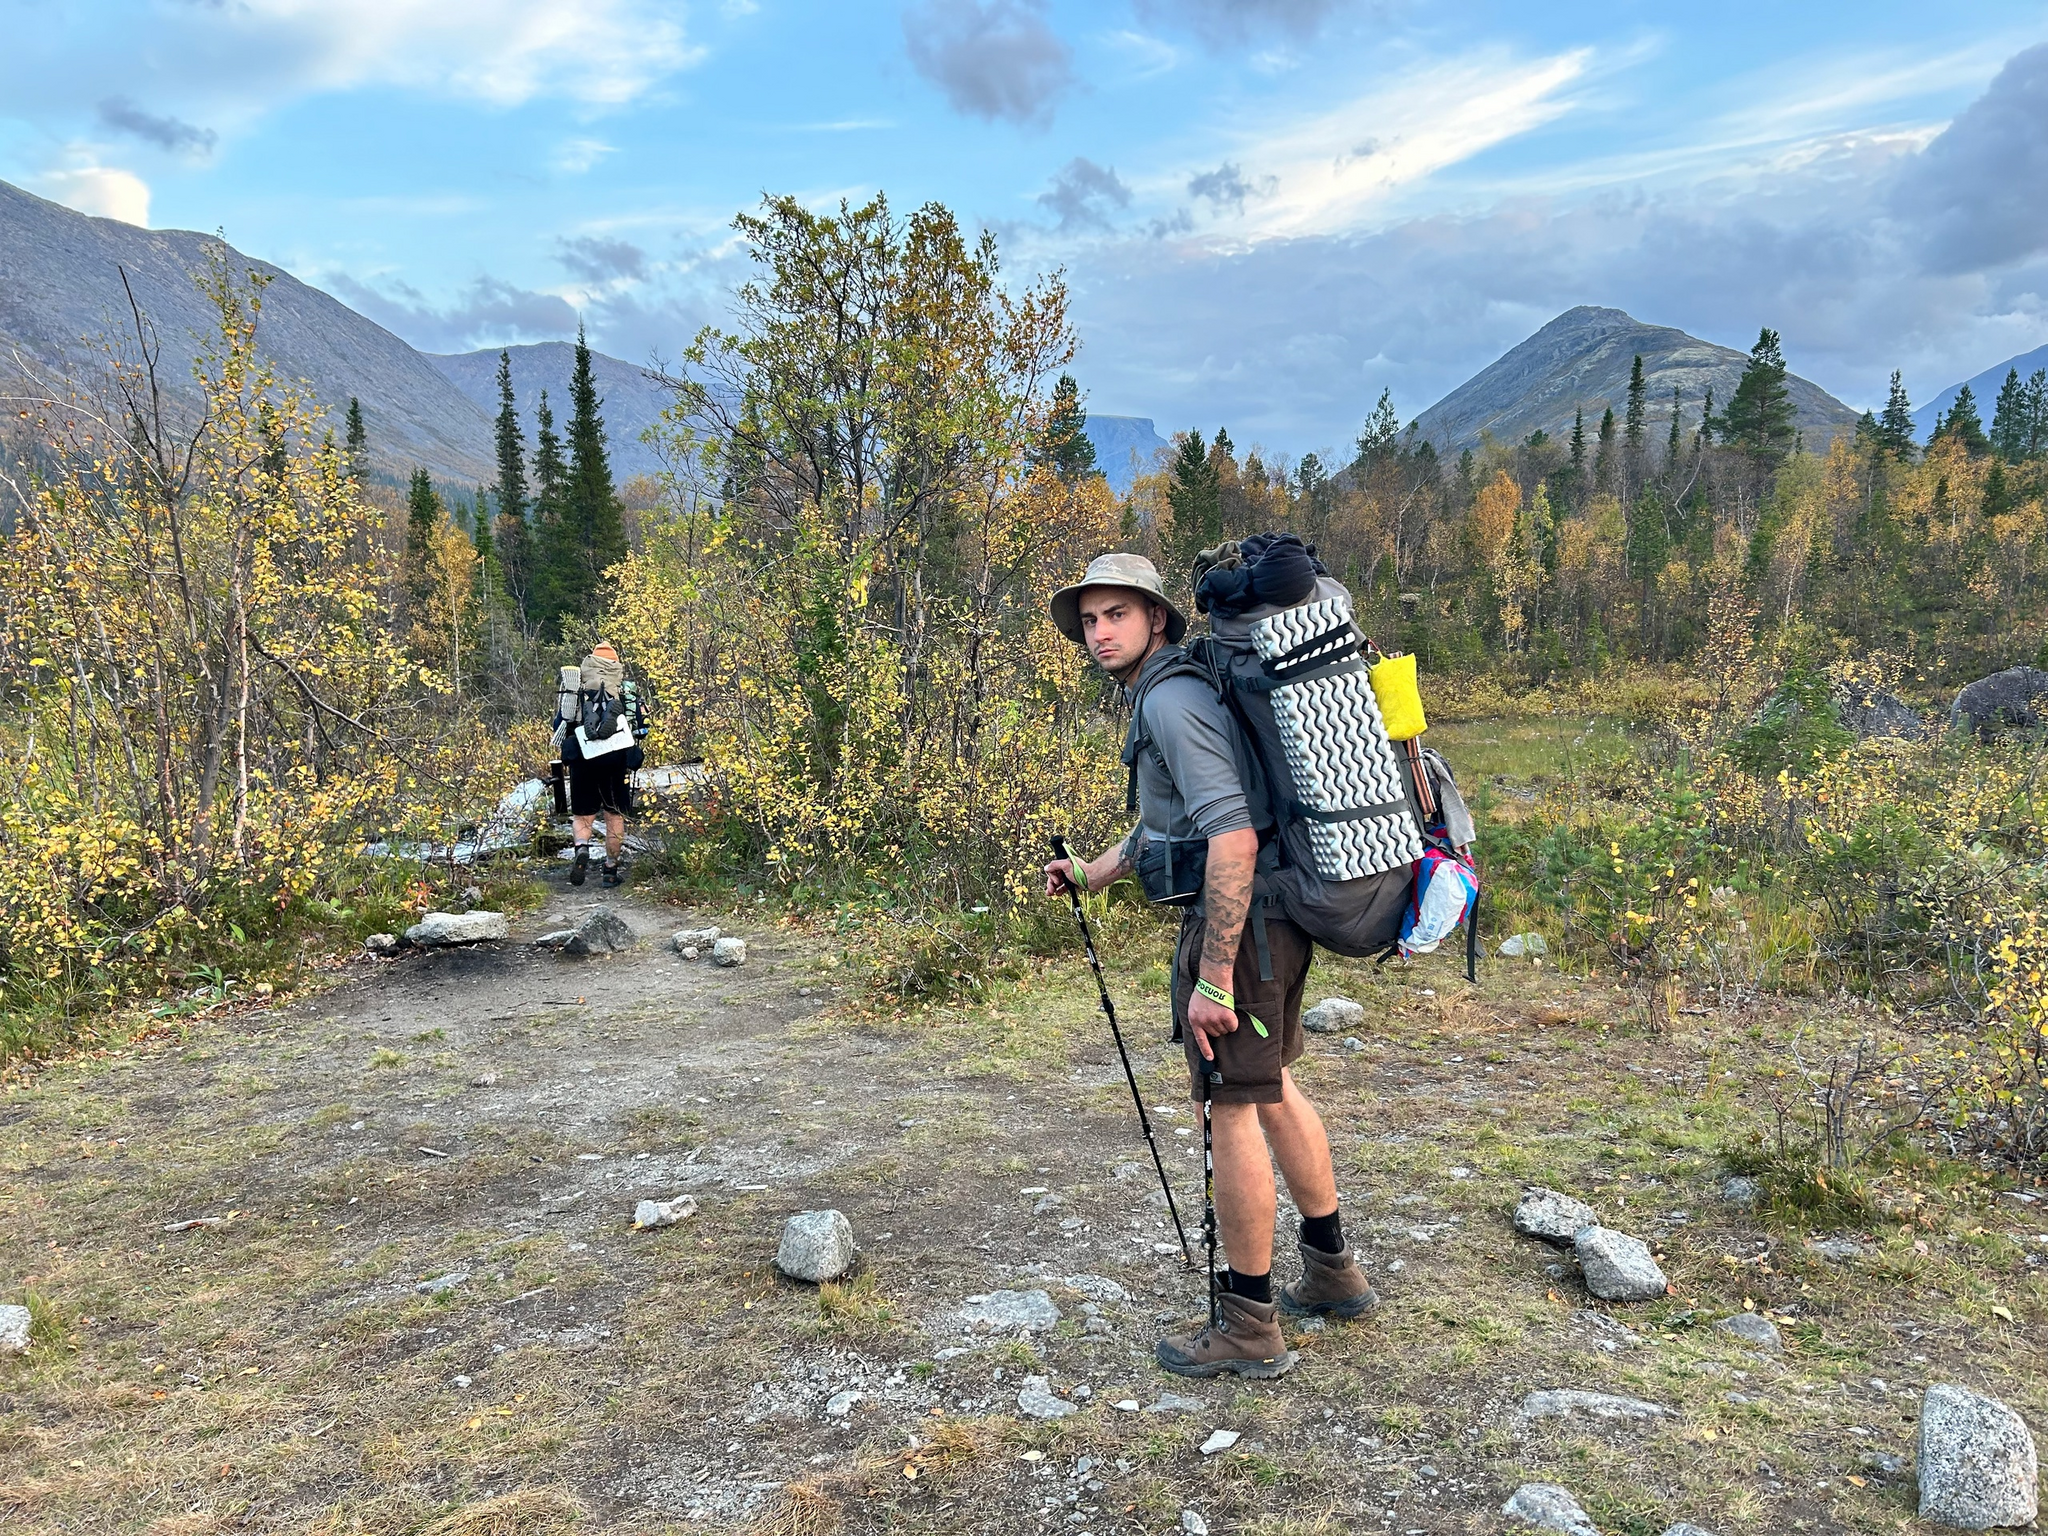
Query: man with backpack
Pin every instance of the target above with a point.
(599, 722)
(1237, 987)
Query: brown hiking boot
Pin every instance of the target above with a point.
(1246, 1340)
(1331, 1285)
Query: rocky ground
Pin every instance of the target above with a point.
(364, 1262)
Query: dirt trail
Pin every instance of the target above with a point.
(494, 1114)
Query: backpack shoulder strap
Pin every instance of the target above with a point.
(1178, 662)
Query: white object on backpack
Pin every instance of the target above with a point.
(1338, 751)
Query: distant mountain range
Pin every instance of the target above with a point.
(1581, 361)
(1125, 448)
(1985, 386)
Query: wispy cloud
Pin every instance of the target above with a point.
(105, 191)
(164, 131)
(575, 156)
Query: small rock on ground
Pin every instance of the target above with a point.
(1333, 1016)
(381, 944)
(816, 1246)
(1514, 947)
(842, 1403)
(1551, 1216)
(1977, 1462)
(1219, 1440)
(1838, 1250)
(601, 932)
(1353, 1043)
(1192, 1524)
(1757, 1332)
(692, 942)
(1036, 1400)
(1686, 1528)
(1098, 1288)
(440, 1283)
(1011, 1312)
(1174, 1402)
(1618, 1267)
(1567, 1401)
(729, 952)
(664, 1213)
(1740, 1190)
(1548, 1507)
(442, 928)
(14, 1326)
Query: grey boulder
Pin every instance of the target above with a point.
(1617, 1267)
(1515, 947)
(439, 929)
(1551, 1216)
(1977, 1463)
(816, 1246)
(381, 944)
(663, 1213)
(729, 952)
(692, 942)
(1549, 1508)
(2008, 700)
(1569, 1402)
(1757, 1332)
(15, 1323)
(1871, 713)
(601, 932)
(1010, 1312)
(1334, 1016)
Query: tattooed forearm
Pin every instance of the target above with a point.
(1226, 897)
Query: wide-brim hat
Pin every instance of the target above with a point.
(1116, 570)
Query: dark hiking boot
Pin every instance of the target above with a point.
(1245, 1340)
(1331, 1285)
(581, 867)
(614, 875)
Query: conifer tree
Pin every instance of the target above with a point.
(1895, 424)
(1382, 430)
(1705, 435)
(540, 599)
(2008, 428)
(588, 535)
(1065, 447)
(512, 536)
(1760, 415)
(1671, 447)
(1637, 417)
(422, 521)
(357, 441)
(1197, 501)
(1603, 455)
(1963, 423)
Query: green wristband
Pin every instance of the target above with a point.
(1214, 993)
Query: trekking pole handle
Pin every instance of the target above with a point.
(1060, 850)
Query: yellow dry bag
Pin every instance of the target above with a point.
(1400, 700)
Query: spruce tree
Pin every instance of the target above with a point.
(1895, 424)
(1964, 424)
(1603, 456)
(1637, 417)
(594, 508)
(2008, 419)
(1378, 438)
(1760, 416)
(1705, 435)
(1196, 498)
(540, 567)
(1671, 446)
(1064, 447)
(422, 522)
(357, 441)
(511, 446)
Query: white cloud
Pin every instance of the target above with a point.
(102, 190)
(576, 156)
(1331, 171)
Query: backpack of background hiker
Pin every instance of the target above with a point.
(1347, 813)
(601, 719)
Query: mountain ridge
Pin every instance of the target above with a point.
(1581, 360)
(1984, 386)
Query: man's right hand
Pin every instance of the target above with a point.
(1209, 1020)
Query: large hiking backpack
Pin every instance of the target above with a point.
(1346, 815)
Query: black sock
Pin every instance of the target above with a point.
(1322, 1233)
(1251, 1287)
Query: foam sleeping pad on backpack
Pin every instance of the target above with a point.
(1337, 748)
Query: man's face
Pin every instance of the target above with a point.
(1117, 625)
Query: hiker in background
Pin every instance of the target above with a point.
(599, 722)
(1195, 846)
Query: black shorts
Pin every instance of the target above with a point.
(597, 785)
(1250, 1062)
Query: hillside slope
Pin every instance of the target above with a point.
(62, 294)
(1581, 360)
(1985, 386)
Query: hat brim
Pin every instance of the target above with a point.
(1066, 610)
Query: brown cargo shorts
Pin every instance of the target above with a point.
(1251, 1063)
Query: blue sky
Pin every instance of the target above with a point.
(1268, 210)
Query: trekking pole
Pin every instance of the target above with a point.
(1210, 1079)
(1059, 849)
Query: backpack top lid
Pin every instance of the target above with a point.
(1267, 570)
(603, 673)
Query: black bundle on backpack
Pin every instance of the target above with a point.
(598, 712)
